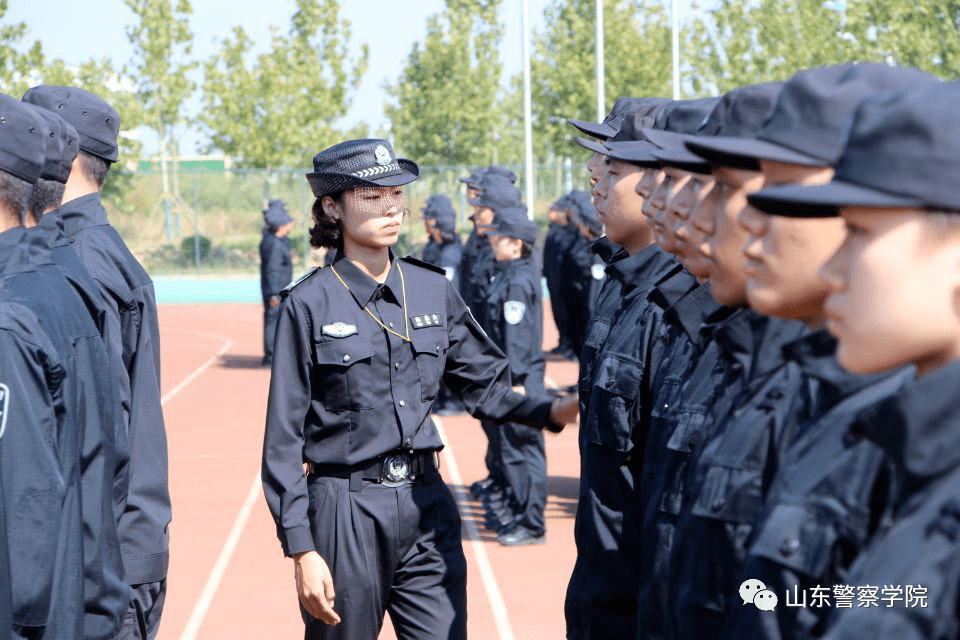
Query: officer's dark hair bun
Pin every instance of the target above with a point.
(327, 231)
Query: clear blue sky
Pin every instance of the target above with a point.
(76, 30)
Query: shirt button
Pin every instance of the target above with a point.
(346, 357)
(718, 504)
(396, 365)
(390, 324)
(790, 547)
(403, 403)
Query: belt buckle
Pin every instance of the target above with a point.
(396, 470)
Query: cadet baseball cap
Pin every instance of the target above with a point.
(97, 123)
(605, 130)
(806, 123)
(503, 172)
(438, 205)
(22, 140)
(497, 192)
(583, 210)
(275, 215)
(473, 178)
(512, 222)
(681, 116)
(902, 150)
(61, 145)
(561, 204)
(739, 112)
(369, 162)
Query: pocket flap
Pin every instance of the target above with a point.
(344, 351)
(430, 342)
(729, 494)
(619, 377)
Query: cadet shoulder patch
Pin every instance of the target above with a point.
(4, 407)
(425, 265)
(449, 272)
(597, 271)
(513, 311)
(287, 289)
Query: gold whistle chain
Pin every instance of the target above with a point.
(403, 309)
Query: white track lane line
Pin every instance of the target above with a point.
(193, 376)
(216, 575)
(499, 607)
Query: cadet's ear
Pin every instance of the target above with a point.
(331, 207)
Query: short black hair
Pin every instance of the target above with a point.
(327, 231)
(46, 194)
(94, 167)
(15, 194)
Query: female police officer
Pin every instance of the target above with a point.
(360, 350)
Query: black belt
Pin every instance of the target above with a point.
(392, 469)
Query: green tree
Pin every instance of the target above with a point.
(636, 62)
(282, 108)
(445, 103)
(16, 64)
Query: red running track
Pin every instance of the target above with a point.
(228, 577)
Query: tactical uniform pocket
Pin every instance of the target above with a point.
(342, 371)
(686, 437)
(616, 384)
(430, 348)
(729, 494)
(32, 556)
(798, 537)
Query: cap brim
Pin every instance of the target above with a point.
(599, 130)
(637, 152)
(666, 139)
(591, 145)
(824, 200)
(325, 183)
(683, 159)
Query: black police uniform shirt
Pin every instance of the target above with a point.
(476, 269)
(826, 499)
(276, 264)
(556, 245)
(135, 335)
(344, 391)
(918, 549)
(446, 255)
(41, 444)
(732, 475)
(581, 275)
(515, 317)
(104, 451)
(6, 622)
(602, 595)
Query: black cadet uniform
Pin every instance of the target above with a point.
(132, 326)
(345, 393)
(602, 595)
(556, 246)
(476, 269)
(276, 270)
(104, 453)
(515, 318)
(582, 271)
(6, 622)
(828, 497)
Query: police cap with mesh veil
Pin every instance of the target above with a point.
(97, 123)
(359, 163)
(61, 145)
(22, 140)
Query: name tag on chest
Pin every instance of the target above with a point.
(426, 320)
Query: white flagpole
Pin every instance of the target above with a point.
(676, 49)
(601, 97)
(527, 118)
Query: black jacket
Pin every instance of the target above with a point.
(276, 266)
(447, 256)
(515, 318)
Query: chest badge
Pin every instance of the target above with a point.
(598, 271)
(426, 320)
(513, 311)
(339, 329)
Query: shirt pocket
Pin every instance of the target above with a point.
(798, 537)
(616, 385)
(686, 438)
(731, 494)
(343, 372)
(32, 556)
(430, 351)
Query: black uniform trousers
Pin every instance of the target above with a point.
(394, 549)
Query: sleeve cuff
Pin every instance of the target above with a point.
(297, 540)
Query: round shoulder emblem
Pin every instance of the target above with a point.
(597, 271)
(513, 311)
(382, 155)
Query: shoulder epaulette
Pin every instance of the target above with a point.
(425, 265)
(287, 289)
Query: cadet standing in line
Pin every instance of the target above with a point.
(560, 235)
(104, 454)
(276, 269)
(361, 347)
(582, 269)
(515, 321)
(132, 324)
(893, 289)
(46, 402)
(824, 486)
(444, 250)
